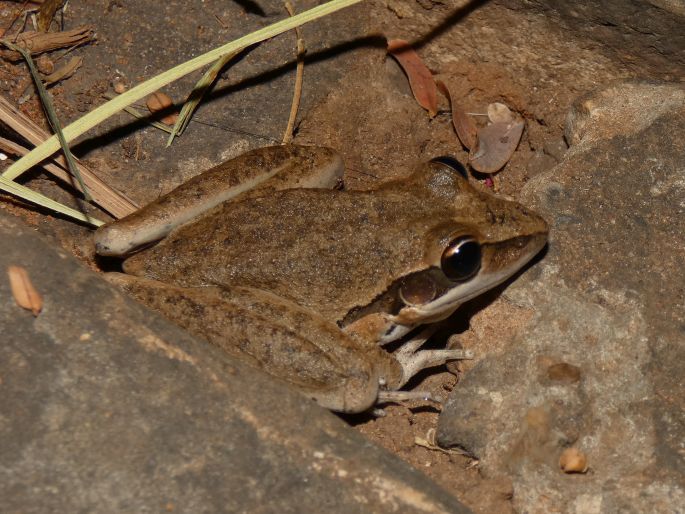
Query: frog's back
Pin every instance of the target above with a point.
(328, 250)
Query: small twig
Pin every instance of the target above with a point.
(221, 22)
(299, 76)
(40, 42)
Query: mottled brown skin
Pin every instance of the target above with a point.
(334, 251)
(335, 369)
(345, 260)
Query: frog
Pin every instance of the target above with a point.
(268, 258)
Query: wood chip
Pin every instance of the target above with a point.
(496, 144)
(40, 42)
(420, 78)
(23, 291)
(463, 124)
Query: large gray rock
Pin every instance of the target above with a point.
(106, 407)
(646, 35)
(601, 365)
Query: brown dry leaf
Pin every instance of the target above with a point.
(47, 12)
(64, 71)
(496, 144)
(420, 78)
(23, 291)
(40, 42)
(463, 124)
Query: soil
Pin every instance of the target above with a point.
(485, 51)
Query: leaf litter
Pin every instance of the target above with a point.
(420, 77)
(490, 147)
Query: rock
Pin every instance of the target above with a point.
(106, 407)
(645, 34)
(600, 365)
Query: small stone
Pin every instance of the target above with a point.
(573, 460)
(158, 101)
(45, 65)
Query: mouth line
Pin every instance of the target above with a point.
(445, 304)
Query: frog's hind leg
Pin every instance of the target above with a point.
(284, 340)
(414, 360)
(270, 168)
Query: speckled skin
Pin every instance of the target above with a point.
(342, 256)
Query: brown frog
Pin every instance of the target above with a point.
(263, 258)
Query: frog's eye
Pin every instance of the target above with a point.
(452, 163)
(461, 259)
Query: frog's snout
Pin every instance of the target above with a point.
(108, 241)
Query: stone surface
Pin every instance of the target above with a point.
(600, 366)
(106, 407)
(646, 35)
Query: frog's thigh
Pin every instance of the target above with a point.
(275, 167)
(273, 334)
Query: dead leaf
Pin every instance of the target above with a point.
(420, 78)
(496, 144)
(47, 12)
(463, 123)
(499, 113)
(63, 72)
(23, 291)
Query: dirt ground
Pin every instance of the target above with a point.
(485, 51)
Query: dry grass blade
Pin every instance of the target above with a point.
(64, 71)
(111, 200)
(299, 76)
(27, 194)
(203, 85)
(142, 116)
(46, 101)
(103, 112)
(39, 42)
(23, 291)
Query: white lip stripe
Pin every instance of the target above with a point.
(449, 302)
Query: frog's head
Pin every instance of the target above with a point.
(472, 242)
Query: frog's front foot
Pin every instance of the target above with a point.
(412, 360)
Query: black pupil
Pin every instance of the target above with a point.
(461, 260)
